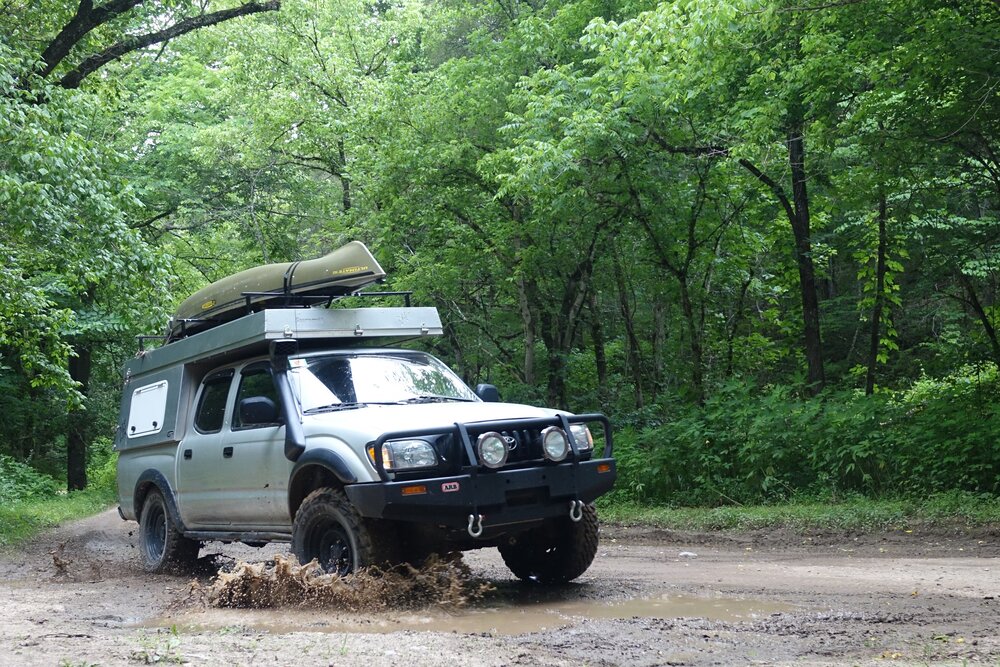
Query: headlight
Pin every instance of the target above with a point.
(582, 436)
(554, 443)
(491, 448)
(407, 455)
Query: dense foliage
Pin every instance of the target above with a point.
(746, 446)
(762, 235)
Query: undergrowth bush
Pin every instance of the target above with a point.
(19, 481)
(747, 445)
(22, 482)
(102, 467)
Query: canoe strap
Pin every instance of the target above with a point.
(287, 280)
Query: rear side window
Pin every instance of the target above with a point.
(212, 405)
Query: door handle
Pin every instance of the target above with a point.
(187, 454)
(227, 452)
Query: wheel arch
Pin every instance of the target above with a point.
(149, 480)
(316, 468)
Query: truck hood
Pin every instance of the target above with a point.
(362, 425)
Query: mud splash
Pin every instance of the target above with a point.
(445, 583)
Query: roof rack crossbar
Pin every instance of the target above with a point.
(287, 300)
(405, 294)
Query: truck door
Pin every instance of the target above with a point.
(254, 454)
(201, 474)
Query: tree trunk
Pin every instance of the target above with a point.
(737, 319)
(600, 358)
(632, 340)
(815, 376)
(345, 182)
(659, 345)
(797, 212)
(524, 289)
(76, 437)
(559, 331)
(876, 316)
(984, 318)
(694, 336)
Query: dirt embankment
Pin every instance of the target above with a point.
(76, 596)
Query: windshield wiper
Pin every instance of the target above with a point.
(434, 398)
(333, 407)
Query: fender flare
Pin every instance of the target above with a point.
(154, 478)
(318, 457)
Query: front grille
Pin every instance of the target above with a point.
(526, 446)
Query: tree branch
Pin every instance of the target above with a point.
(86, 19)
(94, 62)
(769, 182)
(697, 151)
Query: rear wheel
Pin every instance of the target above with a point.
(161, 544)
(558, 552)
(329, 530)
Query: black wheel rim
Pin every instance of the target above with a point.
(331, 546)
(156, 533)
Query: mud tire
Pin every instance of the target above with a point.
(329, 530)
(558, 552)
(162, 547)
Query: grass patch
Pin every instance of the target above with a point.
(24, 519)
(855, 514)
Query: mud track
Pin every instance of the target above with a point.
(75, 596)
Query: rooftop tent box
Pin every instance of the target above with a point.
(156, 380)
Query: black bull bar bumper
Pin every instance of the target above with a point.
(491, 499)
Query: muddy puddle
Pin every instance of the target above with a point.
(502, 619)
(281, 597)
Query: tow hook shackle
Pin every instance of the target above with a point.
(475, 525)
(575, 510)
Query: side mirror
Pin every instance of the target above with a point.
(257, 410)
(488, 393)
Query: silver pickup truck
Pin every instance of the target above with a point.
(288, 425)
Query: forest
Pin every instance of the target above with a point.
(762, 236)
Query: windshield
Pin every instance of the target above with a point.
(337, 380)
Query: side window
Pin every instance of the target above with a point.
(212, 404)
(255, 380)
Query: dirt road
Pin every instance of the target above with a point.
(76, 597)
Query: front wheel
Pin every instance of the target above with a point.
(558, 552)
(161, 545)
(329, 530)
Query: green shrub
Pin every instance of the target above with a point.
(102, 468)
(19, 481)
(752, 445)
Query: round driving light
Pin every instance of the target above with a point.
(554, 443)
(492, 449)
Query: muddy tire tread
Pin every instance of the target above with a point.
(376, 544)
(178, 551)
(556, 553)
